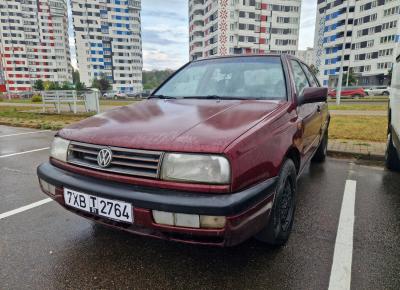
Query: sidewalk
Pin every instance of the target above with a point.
(359, 149)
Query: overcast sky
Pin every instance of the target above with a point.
(165, 32)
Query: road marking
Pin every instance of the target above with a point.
(24, 152)
(26, 133)
(24, 208)
(343, 254)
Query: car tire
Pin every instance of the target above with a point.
(386, 93)
(392, 160)
(356, 96)
(322, 151)
(280, 223)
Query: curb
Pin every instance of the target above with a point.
(356, 155)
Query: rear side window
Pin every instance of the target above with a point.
(310, 76)
(300, 78)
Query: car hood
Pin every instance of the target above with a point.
(172, 125)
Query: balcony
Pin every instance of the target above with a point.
(197, 18)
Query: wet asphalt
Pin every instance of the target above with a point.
(49, 248)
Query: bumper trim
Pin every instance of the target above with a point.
(161, 199)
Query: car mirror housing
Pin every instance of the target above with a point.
(313, 95)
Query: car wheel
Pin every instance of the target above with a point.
(280, 223)
(392, 160)
(386, 94)
(356, 96)
(320, 154)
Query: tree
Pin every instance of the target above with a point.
(46, 85)
(314, 69)
(102, 84)
(38, 85)
(152, 79)
(389, 76)
(80, 86)
(66, 86)
(352, 79)
(54, 86)
(75, 77)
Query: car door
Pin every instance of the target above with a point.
(322, 106)
(309, 113)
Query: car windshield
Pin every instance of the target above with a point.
(228, 78)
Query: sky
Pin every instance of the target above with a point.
(165, 32)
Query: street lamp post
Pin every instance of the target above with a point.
(339, 87)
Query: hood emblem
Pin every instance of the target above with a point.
(104, 157)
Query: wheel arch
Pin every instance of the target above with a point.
(294, 154)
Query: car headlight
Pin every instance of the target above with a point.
(59, 149)
(199, 168)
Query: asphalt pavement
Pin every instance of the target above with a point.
(46, 247)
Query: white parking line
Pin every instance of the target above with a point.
(24, 208)
(24, 152)
(343, 254)
(26, 133)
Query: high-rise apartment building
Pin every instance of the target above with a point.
(34, 43)
(108, 42)
(223, 27)
(361, 32)
(307, 55)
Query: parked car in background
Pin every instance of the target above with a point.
(115, 95)
(212, 157)
(377, 91)
(349, 92)
(393, 148)
(142, 94)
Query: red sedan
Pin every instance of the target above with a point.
(351, 92)
(212, 157)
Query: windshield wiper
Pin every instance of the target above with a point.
(214, 97)
(161, 97)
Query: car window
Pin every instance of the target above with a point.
(238, 77)
(310, 76)
(300, 78)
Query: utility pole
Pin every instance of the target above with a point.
(339, 86)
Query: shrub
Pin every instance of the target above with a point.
(36, 99)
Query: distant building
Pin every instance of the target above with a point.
(308, 56)
(34, 43)
(108, 42)
(3, 87)
(243, 27)
(366, 43)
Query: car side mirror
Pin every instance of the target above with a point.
(313, 95)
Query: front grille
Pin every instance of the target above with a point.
(124, 161)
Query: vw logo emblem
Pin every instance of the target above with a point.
(104, 157)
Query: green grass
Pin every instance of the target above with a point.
(359, 107)
(373, 99)
(15, 116)
(363, 128)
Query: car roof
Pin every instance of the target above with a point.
(284, 55)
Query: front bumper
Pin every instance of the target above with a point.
(247, 211)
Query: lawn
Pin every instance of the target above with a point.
(15, 117)
(365, 128)
(359, 107)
